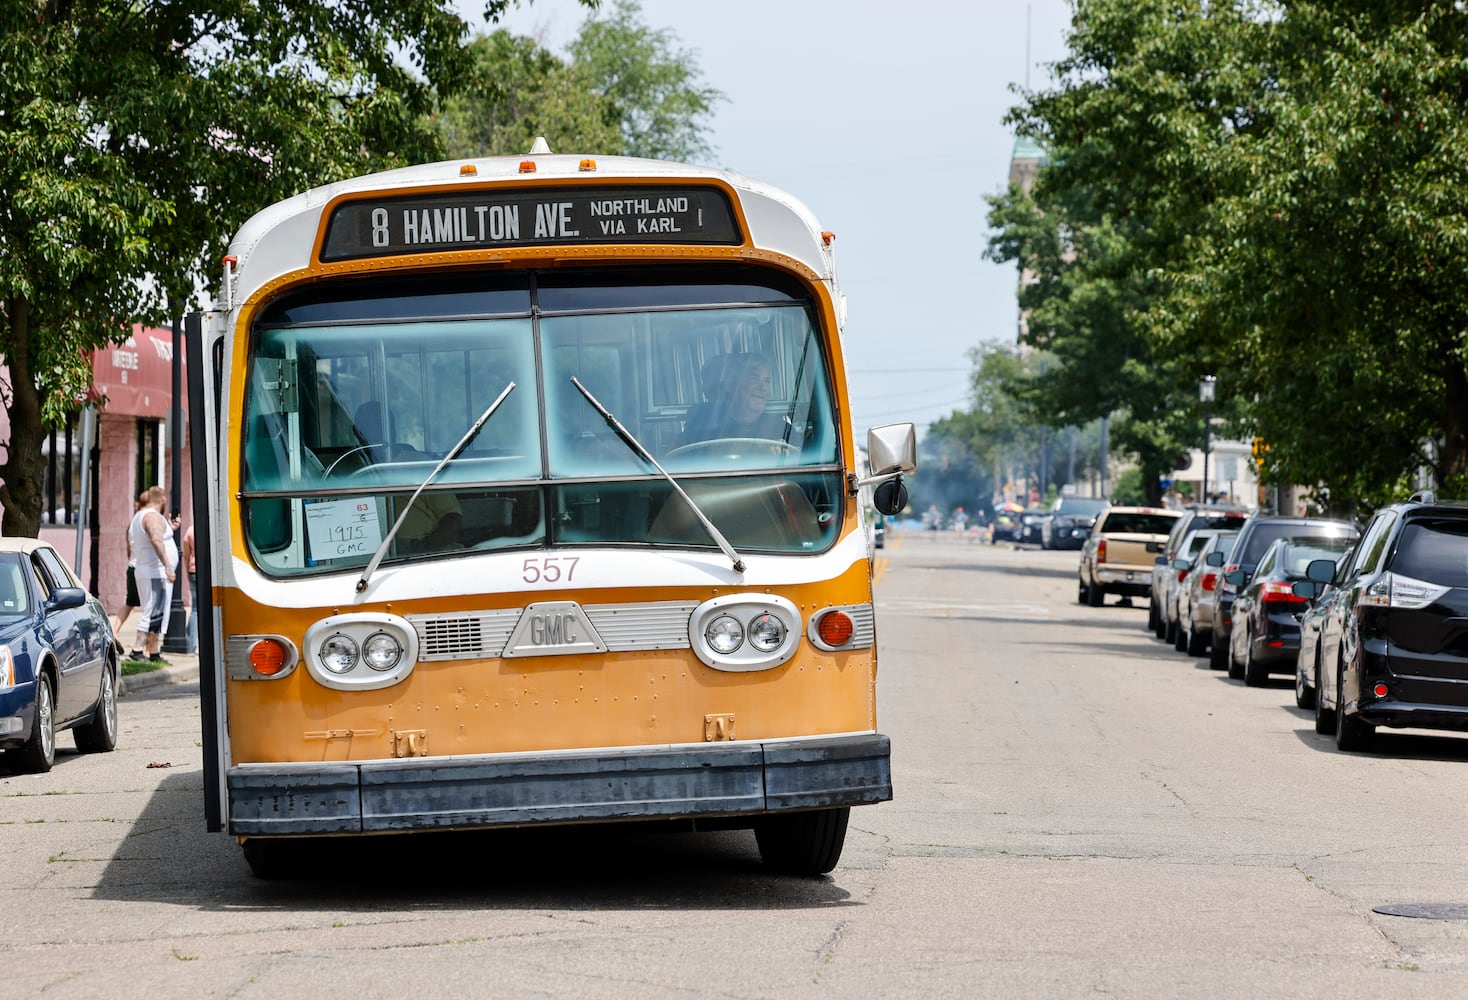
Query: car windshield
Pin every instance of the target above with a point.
(1266, 533)
(15, 600)
(1295, 557)
(1137, 523)
(356, 394)
(1434, 551)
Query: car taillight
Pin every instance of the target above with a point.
(1101, 550)
(1275, 592)
(1181, 575)
(1391, 590)
(1210, 580)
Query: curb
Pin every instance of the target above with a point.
(179, 673)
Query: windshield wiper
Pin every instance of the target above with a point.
(453, 454)
(636, 446)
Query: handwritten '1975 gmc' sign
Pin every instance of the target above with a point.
(381, 227)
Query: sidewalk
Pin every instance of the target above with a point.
(183, 668)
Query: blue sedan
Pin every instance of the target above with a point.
(58, 659)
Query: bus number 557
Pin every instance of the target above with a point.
(548, 569)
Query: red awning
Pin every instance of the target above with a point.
(137, 375)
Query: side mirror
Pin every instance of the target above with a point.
(1181, 563)
(1320, 570)
(890, 497)
(1154, 546)
(1236, 577)
(892, 448)
(1214, 559)
(66, 597)
(1308, 589)
(1160, 561)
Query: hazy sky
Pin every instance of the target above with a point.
(883, 117)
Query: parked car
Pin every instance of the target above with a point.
(58, 658)
(1167, 586)
(1257, 534)
(1070, 521)
(1193, 517)
(1266, 614)
(1032, 524)
(1392, 643)
(1007, 525)
(1198, 595)
(1319, 596)
(1118, 556)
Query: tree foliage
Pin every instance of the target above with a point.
(1269, 191)
(135, 138)
(624, 89)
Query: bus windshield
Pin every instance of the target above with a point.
(356, 393)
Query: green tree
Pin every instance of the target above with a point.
(522, 91)
(626, 89)
(651, 88)
(135, 138)
(1282, 179)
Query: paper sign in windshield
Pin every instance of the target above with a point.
(343, 529)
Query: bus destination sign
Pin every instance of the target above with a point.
(384, 227)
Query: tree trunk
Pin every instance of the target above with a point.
(24, 469)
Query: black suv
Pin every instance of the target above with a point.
(1257, 534)
(1393, 646)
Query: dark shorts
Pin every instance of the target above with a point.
(132, 588)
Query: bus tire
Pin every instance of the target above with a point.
(802, 843)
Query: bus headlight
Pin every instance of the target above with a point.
(745, 631)
(338, 653)
(361, 651)
(382, 651)
(724, 634)
(767, 632)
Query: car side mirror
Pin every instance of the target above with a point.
(1154, 546)
(63, 598)
(890, 497)
(1181, 563)
(1236, 577)
(1214, 559)
(1320, 570)
(1160, 561)
(1308, 589)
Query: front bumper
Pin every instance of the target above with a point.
(720, 779)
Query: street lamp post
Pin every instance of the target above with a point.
(1206, 387)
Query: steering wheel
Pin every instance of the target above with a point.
(735, 448)
(362, 450)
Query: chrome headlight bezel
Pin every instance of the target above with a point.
(360, 629)
(772, 612)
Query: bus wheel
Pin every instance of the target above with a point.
(802, 843)
(270, 859)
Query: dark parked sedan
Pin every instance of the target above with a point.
(1266, 627)
(58, 658)
(1393, 646)
(1070, 521)
(1257, 534)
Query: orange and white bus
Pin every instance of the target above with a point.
(531, 497)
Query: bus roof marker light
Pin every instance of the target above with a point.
(468, 170)
(527, 166)
(587, 166)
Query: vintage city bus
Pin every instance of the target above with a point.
(531, 497)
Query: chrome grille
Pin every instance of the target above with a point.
(466, 635)
(642, 626)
